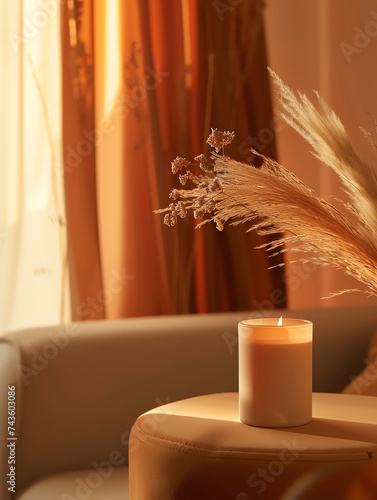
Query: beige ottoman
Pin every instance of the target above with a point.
(197, 449)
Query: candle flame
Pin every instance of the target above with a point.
(280, 322)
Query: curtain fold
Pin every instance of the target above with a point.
(79, 138)
(163, 72)
(33, 285)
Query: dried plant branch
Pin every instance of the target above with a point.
(282, 203)
(272, 200)
(324, 131)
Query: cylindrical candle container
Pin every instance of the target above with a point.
(275, 372)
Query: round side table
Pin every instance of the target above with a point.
(197, 449)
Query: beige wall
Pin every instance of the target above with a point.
(329, 46)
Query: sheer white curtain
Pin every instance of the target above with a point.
(32, 232)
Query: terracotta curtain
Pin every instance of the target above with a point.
(33, 270)
(144, 82)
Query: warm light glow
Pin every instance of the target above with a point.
(72, 24)
(280, 322)
(112, 73)
(186, 42)
(32, 240)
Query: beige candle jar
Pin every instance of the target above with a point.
(275, 372)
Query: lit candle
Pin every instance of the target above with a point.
(275, 372)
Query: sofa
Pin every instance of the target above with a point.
(79, 387)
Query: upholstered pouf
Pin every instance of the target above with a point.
(197, 449)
